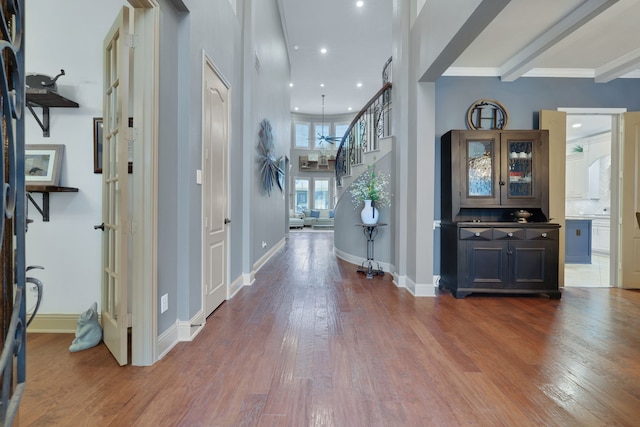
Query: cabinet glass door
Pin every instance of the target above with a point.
(480, 168)
(520, 174)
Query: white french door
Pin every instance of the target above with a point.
(115, 202)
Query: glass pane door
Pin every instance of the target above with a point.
(480, 168)
(520, 174)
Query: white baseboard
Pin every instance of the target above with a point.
(400, 280)
(417, 290)
(55, 323)
(267, 256)
(248, 279)
(187, 331)
(235, 286)
(356, 260)
(167, 340)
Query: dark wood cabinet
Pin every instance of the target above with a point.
(487, 176)
(503, 259)
(495, 169)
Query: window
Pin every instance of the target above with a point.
(302, 135)
(322, 190)
(341, 129)
(321, 194)
(302, 194)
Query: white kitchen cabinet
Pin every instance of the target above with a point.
(601, 236)
(576, 176)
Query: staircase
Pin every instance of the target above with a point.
(368, 137)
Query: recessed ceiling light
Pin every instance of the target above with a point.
(321, 84)
(349, 109)
(576, 125)
(359, 84)
(323, 50)
(295, 108)
(296, 47)
(290, 84)
(360, 3)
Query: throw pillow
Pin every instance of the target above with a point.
(315, 214)
(331, 213)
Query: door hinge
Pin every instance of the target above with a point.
(206, 222)
(131, 40)
(132, 134)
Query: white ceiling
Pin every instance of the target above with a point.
(358, 43)
(595, 39)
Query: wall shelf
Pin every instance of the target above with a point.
(45, 190)
(45, 99)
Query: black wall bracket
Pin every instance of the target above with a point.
(46, 98)
(44, 123)
(45, 190)
(44, 210)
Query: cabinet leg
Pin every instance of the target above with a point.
(555, 295)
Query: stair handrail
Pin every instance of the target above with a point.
(342, 165)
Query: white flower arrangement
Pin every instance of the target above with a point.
(372, 186)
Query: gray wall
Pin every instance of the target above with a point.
(229, 40)
(170, 144)
(350, 239)
(212, 28)
(523, 98)
(269, 99)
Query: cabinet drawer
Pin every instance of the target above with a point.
(509, 234)
(542, 234)
(475, 234)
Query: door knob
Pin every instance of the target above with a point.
(227, 221)
(101, 227)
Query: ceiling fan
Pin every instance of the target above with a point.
(326, 138)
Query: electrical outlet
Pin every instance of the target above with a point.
(264, 244)
(164, 303)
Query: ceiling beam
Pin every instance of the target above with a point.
(525, 60)
(618, 67)
(477, 22)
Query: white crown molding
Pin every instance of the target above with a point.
(472, 72)
(579, 73)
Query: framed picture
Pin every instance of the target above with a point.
(42, 164)
(97, 145)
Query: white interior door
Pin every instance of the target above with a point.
(630, 203)
(214, 190)
(115, 200)
(556, 123)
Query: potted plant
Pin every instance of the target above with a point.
(370, 190)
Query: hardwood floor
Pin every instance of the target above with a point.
(312, 343)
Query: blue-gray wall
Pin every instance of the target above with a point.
(229, 40)
(350, 239)
(523, 98)
(170, 143)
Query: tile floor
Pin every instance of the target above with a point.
(594, 275)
